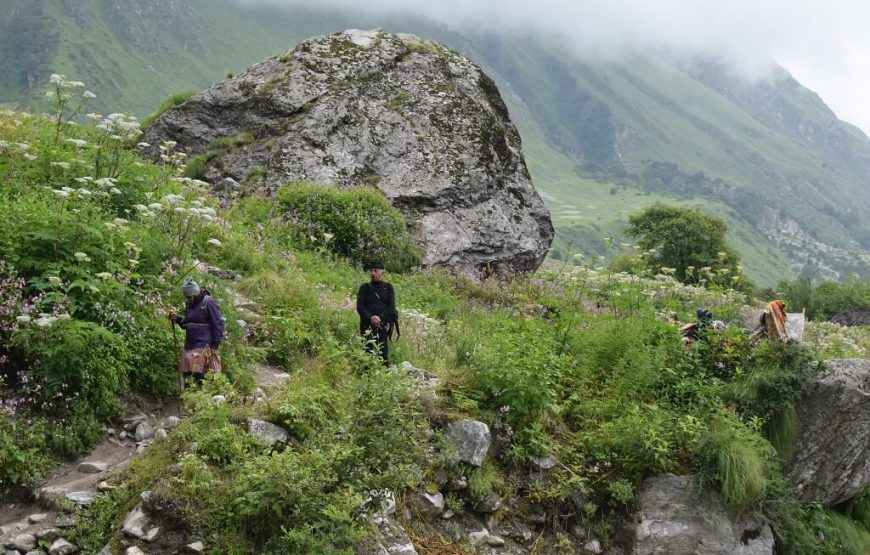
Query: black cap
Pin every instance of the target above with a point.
(376, 264)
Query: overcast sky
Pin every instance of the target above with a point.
(824, 44)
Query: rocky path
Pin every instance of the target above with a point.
(27, 525)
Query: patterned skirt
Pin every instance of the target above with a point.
(200, 361)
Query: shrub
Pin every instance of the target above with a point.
(359, 223)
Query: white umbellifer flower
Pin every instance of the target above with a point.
(88, 95)
(328, 237)
(120, 221)
(155, 206)
(104, 275)
(62, 194)
(49, 94)
(30, 157)
(62, 165)
(78, 84)
(84, 179)
(54, 280)
(23, 319)
(45, 321)
(115, 191)
(172, 198)
(208, 211)
(80, 256)
(169, 144)
(140, 207)
(105, 181)
(110, 225)
(133, 262)
(84, 192)
(55, 79)
(215, 242)
(143, 145)
(77, 142)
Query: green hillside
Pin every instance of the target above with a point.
(603, 138)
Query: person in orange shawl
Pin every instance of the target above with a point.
(772, 322)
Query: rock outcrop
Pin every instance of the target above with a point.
(832, 453)
(418, 121)
(675, 518)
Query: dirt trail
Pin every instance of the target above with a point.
(113, 453)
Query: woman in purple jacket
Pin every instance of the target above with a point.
(203, 325)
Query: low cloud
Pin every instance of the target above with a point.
(825, 45)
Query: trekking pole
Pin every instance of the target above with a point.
(177, 359)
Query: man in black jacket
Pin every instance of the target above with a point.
(376, 305)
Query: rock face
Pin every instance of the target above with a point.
(832, 453)
(674, 518)
(421, 123)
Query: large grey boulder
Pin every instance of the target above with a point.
(471, 438)
(266, 432)
(675, 519)
(831, 463)
(418, 121)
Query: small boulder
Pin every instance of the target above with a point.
(93, 467)
(195, 547)
(471, 438)
(48, 534)
(134, 551)
(478, 537)
(62, 547)
(266, 432)
(593, 547)
(428, 505)
(22, 542)
(139, 525)
(81, 498)
(144, 431)
(66, 521)
(218, 399)
(37, 518)
(171, 422)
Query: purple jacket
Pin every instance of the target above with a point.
(202, 322)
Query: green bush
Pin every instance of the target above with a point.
(74, 362)
(359, 223)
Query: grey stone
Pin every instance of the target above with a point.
(66, 521)
(427, 505)
(62, 547)
(266, 432)
(133, 550)
(144, 431)
(494, 541)
(171, 422)
(22, 542)
(421, 123)
(674, 518)
(139, 525)
(161, 434)
(106, 550)
(593, 547)
(37, 518)
(131, 422)
(830, 468)
(218, 399)
(195, 547)
(48, 534)
(489, 504)
(12, 552)
(543, 463)
(93, 467)
(478, 537)
(447, 515)
(34, 552)
(81, 498)
(471, 438)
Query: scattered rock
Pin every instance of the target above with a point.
(160, 434)
(48, 534)
(22, 542)
(93, 467)
(134, 551)
(105, 486)
(427, 505)
(62, 547)
(37, 518)
(106, 550)
(266, 432)
(457, 484)
(131, 422)
(171, 422)
(81, 498)
(674, 518)
(218, 399)
(830, 468)
(489, 504)
(195, 547)
(494, 541)
(66, 521)
(478, 537)
(139, 525)
(543, 463)
(448, 514)
(592, 547)
(472, 440)
(34, 552)
(144, 431)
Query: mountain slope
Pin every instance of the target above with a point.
(604, 138)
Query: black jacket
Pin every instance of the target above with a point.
(375, 298)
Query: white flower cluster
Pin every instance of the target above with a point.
(119, 127)
(66, 89)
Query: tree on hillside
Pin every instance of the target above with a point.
(687, 240)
